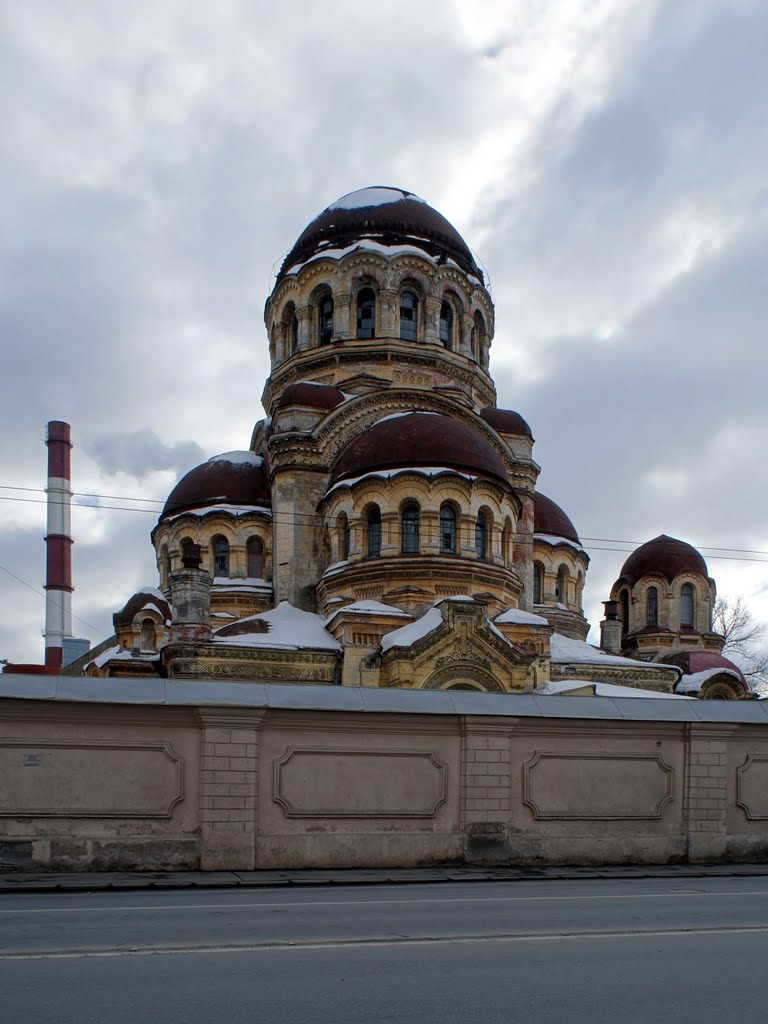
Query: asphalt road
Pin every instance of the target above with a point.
(595, 950)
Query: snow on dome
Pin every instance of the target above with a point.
(517, 615)
(376, 195)
(239, 458)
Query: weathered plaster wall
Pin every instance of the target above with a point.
(157, 774)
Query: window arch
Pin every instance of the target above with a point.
(652, 607)
(624, 611)
(686, 605)
(293, 334)
(478, 336)
(366, 313)
(374, 531)
(446, 325)
(409, 521)
(561, 587)
(325, 320)
(409, 315)
(447, 529)
(506, 542)
(148, 638)
(165, 567)
(481, 534)
(254, 557)
(538, 583)
(220, 548)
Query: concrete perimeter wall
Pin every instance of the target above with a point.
(165, 774)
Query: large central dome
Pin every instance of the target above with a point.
(385, 216)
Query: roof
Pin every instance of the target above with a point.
(506, 421)
(234, 478)
(315, 396)
(694, 662)
(666, 556)
(420, 440)
(390, 216)
(549, 518)
(147, 597)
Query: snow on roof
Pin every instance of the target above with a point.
(375, 196)
(407, 412)
(288, 628)
(153, 592)
(693, 683)
(553, 688)
(368, 608)
(564, 649)
(553, 541)
(517, 615)
(245, 583)
(230, 509)
(408, 635)
(336, 253)
(239, 458)
(387, 474)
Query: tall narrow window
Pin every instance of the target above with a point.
(254, 554)
(325, 320)
(410, 530)
(366, 313)
(293, 333)
(165, 566)
(652, 607)
(447, 530)
(538, 583)
(624, 611)
(374, 532)
(446, 325)
(479, 338)
(481, 535)
(147, 639)
(220, 556)
(561, 587)
(409, 312)
(686, 605)
(344, 537)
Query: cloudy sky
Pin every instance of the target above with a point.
(606, 159)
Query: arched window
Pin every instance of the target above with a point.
(506, 542)
(374, 531)
(343, 526)
(366, 313)
(447, 530)
(220, 556)
(409, 314)
(325, 320)
(624, 611)
(147, 641)
(478, 337)
(538, 583)
(410, 529)
(686, 605)
(561, 587)
(652, 607)
(254, 556)
(481, 535)
(293, 334)
(165, 567)
(446, 325)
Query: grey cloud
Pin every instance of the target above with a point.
(141, 453)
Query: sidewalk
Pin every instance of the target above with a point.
(128, 880)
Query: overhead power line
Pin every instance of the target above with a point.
(36, 590)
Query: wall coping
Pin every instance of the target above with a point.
(196, 693)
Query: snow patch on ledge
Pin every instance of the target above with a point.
(553, 541)
(408, 635)
(554, 689)
(239, 458)
(368, 608)
(566, 650)
(518, 616)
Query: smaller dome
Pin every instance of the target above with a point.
(506, 421)
(234, 478)
(666, 556)
(692, 662)
(149, 598)
(314, 396)
(549, 518)
(420, 440)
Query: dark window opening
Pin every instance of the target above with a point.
(221, 557)
(686, 605)
(410, 527)
(409, 311)
(446, 325)
(652, 607)
(481, 535)
(325, 320)
(366, 313)
(447, 530)
(254, 555)
(374, 533)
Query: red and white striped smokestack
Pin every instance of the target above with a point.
(58, 540)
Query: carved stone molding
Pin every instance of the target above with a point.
(752, 788)
(85, 782)
(617, 784)
(319, 782)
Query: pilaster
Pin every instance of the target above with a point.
(706, 791)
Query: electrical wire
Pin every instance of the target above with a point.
(36, 590)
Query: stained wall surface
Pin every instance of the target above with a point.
(165, 774)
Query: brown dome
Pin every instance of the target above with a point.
(234, 478)
(506, 421)
(692, 662)
(388, 216)
(549, 518)
(420, 440)
(663, 555)
(315, 396)
(147, 598)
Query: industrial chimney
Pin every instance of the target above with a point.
(58, 541)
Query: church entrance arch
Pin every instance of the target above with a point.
(463, 676)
